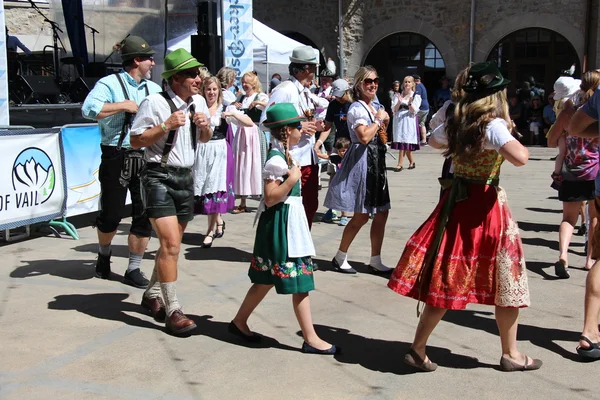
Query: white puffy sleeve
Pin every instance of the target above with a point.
(264, 98)
(439, 135)
(275, 169)
(416, 104)
(358, 115)
(395, 100)
(497, 134)
(234, 110)
(440, 116)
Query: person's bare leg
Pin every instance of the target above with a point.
(378, 232)
(301, 303)
(565, 231)
(255, 295)
(409, 155)
(592, 306)
(137, 244)
(104, 239)
(590, 235)
(400, 158)
(210, 231)
(429, 319)
(352, 229)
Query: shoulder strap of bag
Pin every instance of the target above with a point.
(171, 137)
(127, 121)
(368, 112)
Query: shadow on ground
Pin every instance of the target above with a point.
(386, 355)
(538, 336)
(79, 270)
(114, 307)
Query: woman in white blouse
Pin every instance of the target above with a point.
(214, 166)
(247, 142)
(405, 105)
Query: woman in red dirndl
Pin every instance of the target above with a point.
(469, 249)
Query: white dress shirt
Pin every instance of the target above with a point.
(293, 92)
(155, 110)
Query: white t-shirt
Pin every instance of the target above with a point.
(496, 134)
(155, 110)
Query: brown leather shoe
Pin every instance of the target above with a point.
(178, 323)
(155, 307)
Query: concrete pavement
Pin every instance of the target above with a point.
(65, 334)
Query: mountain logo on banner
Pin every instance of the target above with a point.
(33, 177)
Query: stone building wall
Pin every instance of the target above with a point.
(445, 22)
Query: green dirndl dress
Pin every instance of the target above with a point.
(271, 263)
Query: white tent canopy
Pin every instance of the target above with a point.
(272, 51)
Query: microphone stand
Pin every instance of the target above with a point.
(94, 31)
(113, 52)
(55, 37)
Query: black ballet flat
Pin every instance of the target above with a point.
(209, 244)
(234, 330)
(308, 349)
(412, 166)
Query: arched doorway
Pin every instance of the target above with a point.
(406, 53)
(534, 52)
(304, 40)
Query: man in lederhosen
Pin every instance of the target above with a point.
(113, 102)
(169, 126)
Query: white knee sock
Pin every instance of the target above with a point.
(169, 293)
(153, 290)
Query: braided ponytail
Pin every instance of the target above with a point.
(282, 135)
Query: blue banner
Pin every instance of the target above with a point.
(237, 35)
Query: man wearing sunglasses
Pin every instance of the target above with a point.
(302, 69)
(169, 125)
(113, 102)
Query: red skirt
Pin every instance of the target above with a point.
(480, 258)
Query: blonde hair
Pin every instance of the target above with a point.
(252, 79)
(590, 81)
(466, 130)
(226, 75)
(412, 80)
(206, 83)
(204, 73)
(359, 78)
(459, 83)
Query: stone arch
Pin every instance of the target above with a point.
(326, 48)
(503, 28)
(397, 25)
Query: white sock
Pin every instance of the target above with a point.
(169, 293)
(134, 261)
(340, 257)
(153, 290)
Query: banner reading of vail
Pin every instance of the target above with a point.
(33, 175)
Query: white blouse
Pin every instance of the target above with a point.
(496, 134)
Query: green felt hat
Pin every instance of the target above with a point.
(282, 114)
(178, 61)
(134, 46)
(485, 78)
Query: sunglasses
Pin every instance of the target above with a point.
(370, 81)
(190, 74)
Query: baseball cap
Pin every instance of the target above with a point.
(339, 87)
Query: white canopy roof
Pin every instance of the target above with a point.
(271, 46)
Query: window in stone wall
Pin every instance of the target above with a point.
(535, 52)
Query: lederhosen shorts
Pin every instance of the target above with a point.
(168, 191)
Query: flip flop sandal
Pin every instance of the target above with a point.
(508, 365)
(414, 360)
(590, 353)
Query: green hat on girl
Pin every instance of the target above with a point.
(282, 114)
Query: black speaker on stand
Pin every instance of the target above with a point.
(206, 46)
(34, 89)
(80, 89)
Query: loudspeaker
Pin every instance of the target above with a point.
(31, 89)
(80, 89)
(206, 46)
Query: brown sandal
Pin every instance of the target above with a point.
(414, 360)
(238, 210)
(508, 365)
